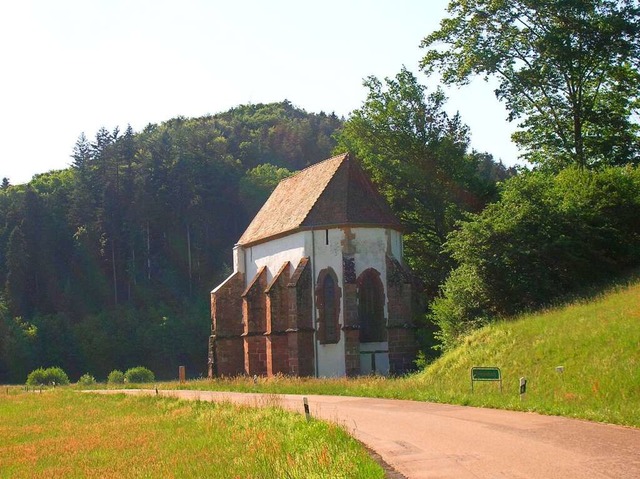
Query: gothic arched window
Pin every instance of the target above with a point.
(328, 301)
(371, 307)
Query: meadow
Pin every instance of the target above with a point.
(64, 433)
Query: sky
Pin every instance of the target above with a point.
(73, 66)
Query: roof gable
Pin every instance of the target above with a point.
(334, 192)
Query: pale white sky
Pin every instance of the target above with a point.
(72, 66)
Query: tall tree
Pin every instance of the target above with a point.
(81, 153)
(568, 69)
(258, 183)
(417, 156)
(127, 149)
(20, 285)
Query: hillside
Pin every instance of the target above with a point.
(597, 342)
(108, 264)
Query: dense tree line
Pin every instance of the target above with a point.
(569, 71)
(107, 264)
(549, 237)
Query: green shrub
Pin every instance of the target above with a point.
(87, 380)
(36, 377)
(115, 377)
(139, 374)
(47, 377)
(549, 236)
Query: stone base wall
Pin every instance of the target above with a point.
(226, 357)
(268, 329)
(263, 329)
(403, 349)
(255, 355)
(301, 352)
(402, 304)
(277, 354)
(229, 357)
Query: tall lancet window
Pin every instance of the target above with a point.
(328, 299)
(371, 307)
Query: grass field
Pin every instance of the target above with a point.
(63, 433)
(597, 343)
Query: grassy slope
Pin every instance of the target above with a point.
(597, 342)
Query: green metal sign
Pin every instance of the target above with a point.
(486, 373)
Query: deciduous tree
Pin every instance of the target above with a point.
(567, 69)
(417, 156)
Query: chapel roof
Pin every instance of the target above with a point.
(335, 192)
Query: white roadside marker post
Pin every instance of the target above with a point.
(306, 408)
(523, 388)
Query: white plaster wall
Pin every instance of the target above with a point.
(328, 255)
(371, 245)
(371, 248)
(331, 361)
(273, 254)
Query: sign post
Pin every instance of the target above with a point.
(485, 373)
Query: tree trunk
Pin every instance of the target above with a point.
(579, 141)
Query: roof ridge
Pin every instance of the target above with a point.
(345, 156)
(316, 164)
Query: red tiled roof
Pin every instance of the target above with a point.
(334, 192)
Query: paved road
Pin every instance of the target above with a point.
(426, 440)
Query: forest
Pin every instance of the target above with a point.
(108, 264)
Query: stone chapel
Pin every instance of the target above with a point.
(318, 285)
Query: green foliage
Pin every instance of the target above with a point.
(17, 338)
(567, 68)
(461, 308)
(139, 374)
(421, 361)
(54, 376)
(417, 157)
(548, 236)
(115, 377)
(258, 183)
(87, 380)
